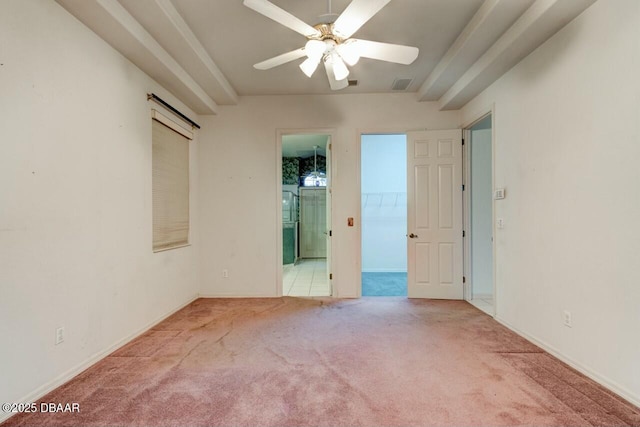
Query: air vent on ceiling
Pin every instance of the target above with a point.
(352, 82)
(401, 84)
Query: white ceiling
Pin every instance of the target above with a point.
(203, 51)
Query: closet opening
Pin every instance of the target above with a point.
(383, 183)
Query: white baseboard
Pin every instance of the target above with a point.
(66, 376)
(600, 379)
(238, 296)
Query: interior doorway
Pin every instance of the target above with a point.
(479, 215)
(383, 160)
(305, 203)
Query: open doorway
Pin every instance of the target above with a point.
(384, 214)
(479, 215)
(306, 214)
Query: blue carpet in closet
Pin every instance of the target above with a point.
(384, 284)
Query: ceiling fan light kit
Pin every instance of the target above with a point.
(309, 66)
(340, 70)
(330, 42)
(349, 52)
(314, 49)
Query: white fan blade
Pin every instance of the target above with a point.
(397, 53)
(335, 84)
(356, 15)
(280, 59)
(281, 16)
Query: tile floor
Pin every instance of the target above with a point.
(306, 278)
(483, 303)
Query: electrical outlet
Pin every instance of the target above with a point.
(59, 335)
(225, 273)
(566, 317)
(500, 223)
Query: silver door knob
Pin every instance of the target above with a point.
(413, 236)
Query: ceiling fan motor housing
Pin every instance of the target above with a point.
(326, 33)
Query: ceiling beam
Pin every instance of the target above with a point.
(447, 71)
(543, 19)
(114, 24)
(182, 44)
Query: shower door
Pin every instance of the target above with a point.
(313, 222)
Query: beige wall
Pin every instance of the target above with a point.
(567, 147)
(75, 201)
(238, 194)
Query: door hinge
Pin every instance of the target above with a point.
(464, 234)
(464, 279)
(329, 146)
(330, 276)
(462, 187)
(330, 233)
(462, 141)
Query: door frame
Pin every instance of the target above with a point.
(466, 204)
(331, 132)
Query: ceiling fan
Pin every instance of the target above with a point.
(330, 41)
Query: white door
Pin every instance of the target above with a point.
(434, 214)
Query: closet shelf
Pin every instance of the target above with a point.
(379, 200)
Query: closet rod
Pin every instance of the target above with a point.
(153, 96)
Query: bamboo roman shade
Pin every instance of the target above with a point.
(170, 188)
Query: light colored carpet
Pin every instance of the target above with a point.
(322, 362)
